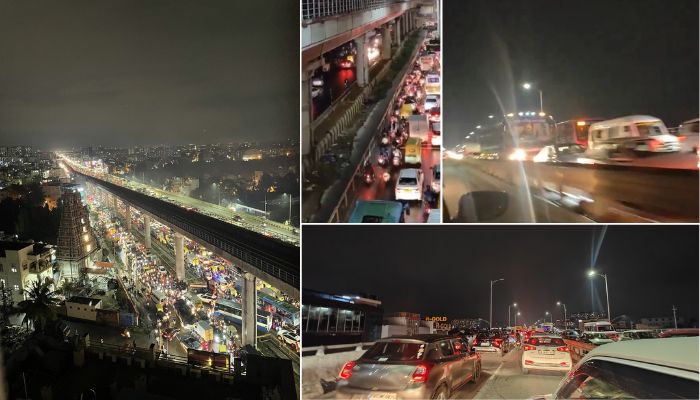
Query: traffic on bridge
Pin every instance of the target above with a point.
(550, 127)
(566, 312)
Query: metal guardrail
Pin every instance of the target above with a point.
(318, 9)
(343, 202)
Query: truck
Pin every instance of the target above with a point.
(418, 127)
(204, 330)
(426, 62)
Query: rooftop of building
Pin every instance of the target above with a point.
(8, 245)
(83, 300)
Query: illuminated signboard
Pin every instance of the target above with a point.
(437, 319)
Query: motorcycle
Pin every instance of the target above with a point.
(381, 160)
(386, 177)
(396, 161)
(369, 178)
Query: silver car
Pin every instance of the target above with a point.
(410, 367)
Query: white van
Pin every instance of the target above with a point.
(634, 132)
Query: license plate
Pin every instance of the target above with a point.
(485, 344)
(375, 395)
(546, 352)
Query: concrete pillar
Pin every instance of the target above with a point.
(306, 108)
(361, 64)
(128, 218)
(249, 308)
(147, 230)
(179, 257)
(386, 42)
(114, 203)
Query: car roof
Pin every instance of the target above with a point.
(624, 120)
(409, 172)
(680, 353)
(427, 337)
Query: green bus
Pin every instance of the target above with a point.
(377, 211)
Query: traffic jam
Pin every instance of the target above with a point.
(592, 360)
(202, 312)
(403, 178)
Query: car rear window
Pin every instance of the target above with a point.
(408, 181)
(394, 351)
(545, 341)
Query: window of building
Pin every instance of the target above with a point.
(17, 287)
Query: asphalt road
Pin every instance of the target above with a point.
(501, 378)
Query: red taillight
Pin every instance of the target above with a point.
(564, 364)
(497, 342)
(346, 372)
(421, 373)
(528, 347)
(563, 348)
(529, 362)
(474, 342)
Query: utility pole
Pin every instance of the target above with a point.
(675, 323)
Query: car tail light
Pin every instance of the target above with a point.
(564, 364)
(563, 348)
(474, 342)
(421, 373)
(346, 372)
(496, 342)
(529, 362)
(528, 347)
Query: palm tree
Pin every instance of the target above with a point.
(38, 308)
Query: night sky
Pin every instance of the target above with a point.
(590, 57)
(124, 72)
(446, 270)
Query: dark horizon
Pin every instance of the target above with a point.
(122, 73)
(416, 269)
(591, 59)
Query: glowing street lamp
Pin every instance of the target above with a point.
(528, 86)
(592, 274)
(491, 302)
(559, 303)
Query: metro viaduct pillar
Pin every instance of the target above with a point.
(179, 257)
(127, 215)
(249, 307)
(386, 42)
(361, 64)
(147, 230)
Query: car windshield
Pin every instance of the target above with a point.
(649, 129)
(408, 181)
(605, 328)
(570, 149)
(545, 341)
(394, 351)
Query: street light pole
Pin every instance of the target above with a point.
(516, 318)
(491, 302)
(527, 86)
(290, 209)
(675, 324)
(591, 274)
(509, 305)
(563, 305)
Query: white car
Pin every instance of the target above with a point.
(409, 185)
(288, 337)
(207, 298)
(430, 102)
(643, 369)
(162, 269)
(546, 353)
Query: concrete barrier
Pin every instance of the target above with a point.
(323, 366)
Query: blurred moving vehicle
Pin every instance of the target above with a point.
(489, 341)
(679, 332)
(546, 353)
(636, 334)
(639, 133)
(574, 131)
(410, 367)
(565, 152)
(688, 135)
(636, 369)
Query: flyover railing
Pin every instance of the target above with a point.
(335, 348)
(318, 9)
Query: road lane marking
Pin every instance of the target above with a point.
(495, 372)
